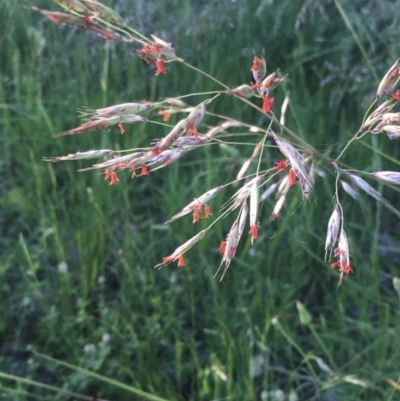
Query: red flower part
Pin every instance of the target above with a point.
(88, 19)
(256, 85)
(53, 19)
(267, 103)
(166, 260)
(181, 261)
(149, 54)
(231, 252)
(292, 178)
(107, 174)
(144, 170)
(156, 149)
(280, 166)
(114, 178)
(160, 67)
(222, 247)
(167, 160)
(336, 264)
(121, 128)
(256, 64)
(196, 214)
(165, 115)
(207, 212)
(254, 231)
(396, 96)
(133, 171)
(346, 269)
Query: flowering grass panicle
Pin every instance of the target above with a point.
(303, 164)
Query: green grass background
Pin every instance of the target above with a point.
(180, 334)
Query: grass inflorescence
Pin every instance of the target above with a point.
(249, 155)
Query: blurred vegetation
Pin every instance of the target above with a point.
(77, 282)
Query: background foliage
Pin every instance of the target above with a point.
(77, 282)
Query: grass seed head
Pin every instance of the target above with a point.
(73, 5)
(181, 250)
(391, 177)
(390, 80)
(245, 91)
(104, 12)
(259, 68)
(333, 230)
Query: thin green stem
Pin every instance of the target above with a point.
(203, 73)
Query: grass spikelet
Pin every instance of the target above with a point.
(104, 12)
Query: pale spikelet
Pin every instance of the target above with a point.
(283, 187)
(197, 202)
(393, 131)
(377, 114)
(365, 186)
(165, 48)
(243, 219)
(167, 156)
(130, 119)
(245, 91)
(298, 165)
(254, 202)
(270, 83)
(333, 230)
(124, 109)
(243, 193)
(182, 249)
(391, 118)
(391, 177)
(61, 18)
(73, 5)
(105, 33)
(195, 116)
(232, 240)
(117, 161)
(393, 135)
(230, 249)
(104, 12)
(387, 119)
(390, 80)
(140, 161)
(348, 189)
(243, 169)
(284, 107)
(136, 159)
(269, 191)
(372, 192)
(90, 154)
(343, 254)
(177, 103)
(259, 67)
(103, 123)
(299, 169)
(278, 206)
(191, 141)
(175, 133)
(222, 127)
